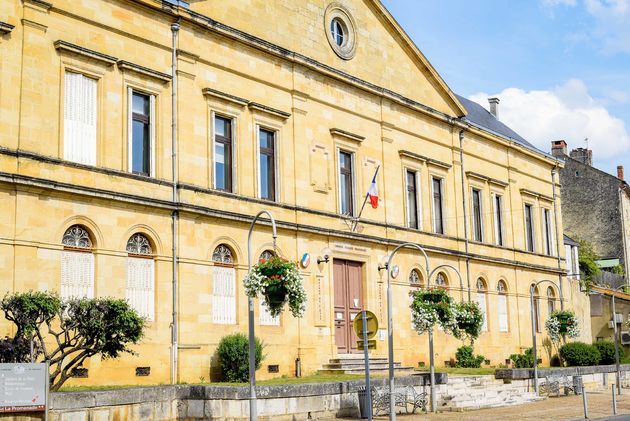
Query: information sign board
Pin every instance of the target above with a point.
(23, 387)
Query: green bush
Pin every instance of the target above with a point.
(580, 354)
(606, 351)
(524, 360)
(555, 361)
(233, 353)
(465, 358)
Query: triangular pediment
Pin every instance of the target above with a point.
(383, 53)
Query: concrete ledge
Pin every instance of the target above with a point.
(528, 373)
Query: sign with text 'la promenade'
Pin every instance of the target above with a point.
(23, 387)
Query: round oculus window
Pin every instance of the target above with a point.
(340, 31)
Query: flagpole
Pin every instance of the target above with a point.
(356, 221)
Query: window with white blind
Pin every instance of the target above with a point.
(77, 264)
(79, 118)
(265, 318)
(140, 289)
(502, 307)
(483, 302)
(223, 287)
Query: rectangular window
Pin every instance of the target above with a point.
(498, 219)
(346, 183)
(503, 313)
(476, 215)
(223, 295)
(223, 153)
(142, 133)
(77, 274)
(438, 220)
(266, 319)
(547, 235)
(569, 259)
(79, 118)
(412, 200)
(139, 289)
(481, 300)
(529, 228)
(267, 162)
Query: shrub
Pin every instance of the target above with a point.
(580, 354)
(233, 353)
(467, 359)
(15, 350)
(555, 361)
(606, 351)
(524, 360)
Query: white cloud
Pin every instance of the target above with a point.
(566, 112)
(552, 3)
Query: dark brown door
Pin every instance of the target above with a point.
(348, 303)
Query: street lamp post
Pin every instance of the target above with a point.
(250, 302)
(531, 308)
(616, 334)
(390, 325)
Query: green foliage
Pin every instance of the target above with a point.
(617, 270)
(29, 310)
(432, 306)
(465, 358)
(80, 328)
(469, 320)
(524, 360)
(555, 361)
(580, 354)
(15, 350)
(624, 360)
(233, 352)
(588, 267)
(606, 351)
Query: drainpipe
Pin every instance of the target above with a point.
(174, 215)
(623, 234)
(461, 158)
(555, 218)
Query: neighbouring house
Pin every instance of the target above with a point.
(281, 105)
(596, 207)
(602, 316)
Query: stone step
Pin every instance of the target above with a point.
(397, 370)
(348, 366)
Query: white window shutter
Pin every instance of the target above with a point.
(223, 295)
(503, 314)
(481, 300)
(80, 117)
(77, 274)
(140, 290)
(265, 317)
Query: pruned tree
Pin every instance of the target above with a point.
(71, 331)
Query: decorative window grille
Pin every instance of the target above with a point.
(440, 280)
(502, 307)
(77, 264)
(483, 302)
(551, 300)
(223, 287)
(79, 121)
(414, 277)
(265, 317)
(140, 290)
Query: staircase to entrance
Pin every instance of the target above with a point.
(355, 364)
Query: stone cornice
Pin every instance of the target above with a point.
(145, 71)
(268, 110)
(5, 28)
(425, 159)
(347, 135)
(541, 196)
(65, 46)
(487, 179)
(209, 92)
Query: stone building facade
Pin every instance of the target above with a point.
(283, 105)
(596, 204)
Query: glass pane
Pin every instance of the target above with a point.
(266, 139)
(344, 190)
(345, 161)
(140, 104)
(266, 177)
(219, 165)
(222, 127)
(140, 146)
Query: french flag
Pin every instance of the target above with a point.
(373, 193)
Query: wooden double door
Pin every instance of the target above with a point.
(348, 303)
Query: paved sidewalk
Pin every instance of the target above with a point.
(553, 409)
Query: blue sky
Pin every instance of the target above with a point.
(560, 67)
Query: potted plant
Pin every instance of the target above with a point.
(560, 323)
(278, 281)
(468, 319)
(431, 306)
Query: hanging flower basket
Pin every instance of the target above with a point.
(430, 307)
(278, 281)
(468, 319)
(562, 323)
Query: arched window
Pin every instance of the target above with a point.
(482, 300)
(415, 278)
(502, 306)
(551, 300)
(265, 317)
(223, 286)
(441, 280)
(77, 264)
(536, 309)
(140, 288)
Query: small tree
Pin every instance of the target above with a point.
(80, 328)
(587, 258)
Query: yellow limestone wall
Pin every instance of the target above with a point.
(42, 195)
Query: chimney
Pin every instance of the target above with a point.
(585, 156)
(620, 172)
(558, 148)
(494, 106)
